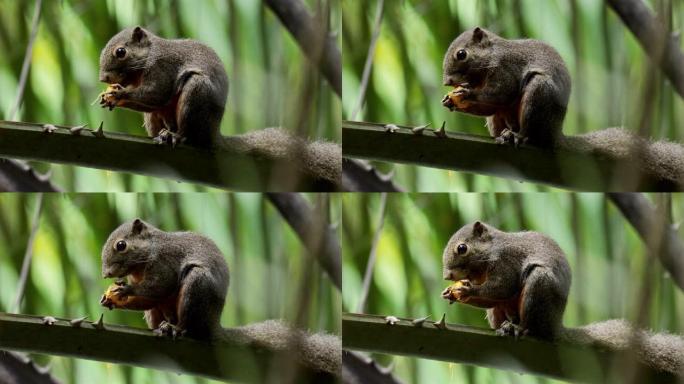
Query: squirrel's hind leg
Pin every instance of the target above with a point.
(199, 112)
(541, 304)
(200, 304)
(541, 113)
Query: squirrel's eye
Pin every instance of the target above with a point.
(120, 246)
(461, 249)
(461, 54)
(120, 52)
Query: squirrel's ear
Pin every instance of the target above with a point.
(139, 34)
(138, 226)
(478, 229)
(479, 34)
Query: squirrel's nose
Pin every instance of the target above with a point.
(448, 275)
(104, 77)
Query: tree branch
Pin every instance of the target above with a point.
(359, 176)
(232, 360)
(662, 46)
(645, 219)
(479, 154)
(17, 369)
(15, 176)
(296, 18)
(357, 368)
(482, 347)
(239, 166)
(318, 238)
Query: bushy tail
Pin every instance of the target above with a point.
(662, 161)
(320, 352)
(320, 159)
(661, 351)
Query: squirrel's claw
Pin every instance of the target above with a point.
(169, 330)
(507, 136)
(507, 328)
(167, 137)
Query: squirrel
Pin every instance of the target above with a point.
(181, 86)
(522, 87)
(523, 279)
(180, 280)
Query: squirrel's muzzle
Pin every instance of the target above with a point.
(110, 77)
(454, 274)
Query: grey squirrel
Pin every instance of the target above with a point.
(523, 279)
(181, 87)
(522, 87)
(180, 280)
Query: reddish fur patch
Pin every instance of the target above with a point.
(520, 303)
(477, 278)
(136, 276)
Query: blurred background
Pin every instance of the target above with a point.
(266, 259)
(608, 67)
(607, 258)
(268, 73)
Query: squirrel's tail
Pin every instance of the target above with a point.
(660, 161)
(661, 351)
(320, 159)
(320, 352)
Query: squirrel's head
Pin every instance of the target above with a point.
(125, 56)
(127, 247)
(466, 250)
(467, 59)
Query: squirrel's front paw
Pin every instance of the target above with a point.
(112, 96)
(167, 137)
(122, 290)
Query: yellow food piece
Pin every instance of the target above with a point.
(454, 295)
(112, 300)
(105, 98)
(456, 98)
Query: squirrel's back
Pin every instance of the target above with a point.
(189, 56)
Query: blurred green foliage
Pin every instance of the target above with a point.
(608, 67)
(268, 72)
(607, 258)
(266, 259)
